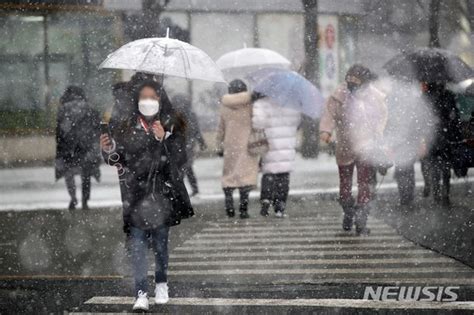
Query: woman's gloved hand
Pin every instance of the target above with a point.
(256, 95)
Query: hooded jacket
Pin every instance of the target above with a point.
(240, 168)
(77, 138)
(280, 125)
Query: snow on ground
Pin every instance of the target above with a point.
(35, 188)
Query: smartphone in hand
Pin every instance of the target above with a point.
(104, 128)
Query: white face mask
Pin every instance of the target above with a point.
(148, 107)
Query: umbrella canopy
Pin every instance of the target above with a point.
(165, 56)
(288, 89)
(241, 62)
(465, 87)
(429, 65)
(470, 90)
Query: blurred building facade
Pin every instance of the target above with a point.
(47, 45)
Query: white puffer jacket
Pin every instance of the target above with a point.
(280, 125)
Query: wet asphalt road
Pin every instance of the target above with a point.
(57, 261)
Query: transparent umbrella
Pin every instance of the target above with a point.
(240, 63)
(165, 56)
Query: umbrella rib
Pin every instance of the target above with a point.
(146, 54)
(164, 64)
(187, 64)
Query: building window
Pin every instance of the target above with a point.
(42, 54)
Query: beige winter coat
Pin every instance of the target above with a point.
(359, 121)
(240, 169)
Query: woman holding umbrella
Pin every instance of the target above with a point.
(151, 148)
(434, 68)
(280, 125)
(240, 168)
(281, 96)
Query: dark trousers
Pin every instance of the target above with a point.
(364, 173)
(189, 172)
(426, 172)
(244, 197)
(405, 177)
(440, 169)
(138, 248)
(275, 188)
(71, 186)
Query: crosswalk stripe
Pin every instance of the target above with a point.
(321, 225)
(317, 271)
(66, 277)
(317, 216)
(322, 221)
(330, 227)
(271, 220)
(292, 239)
(325, 262)
(385, 280)
(292, 247)
(339, 303)
(335, 252)
(287, 220)
(279, 234)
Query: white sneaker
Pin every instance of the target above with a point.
(161, 293)
(280, 214)
(141, 303)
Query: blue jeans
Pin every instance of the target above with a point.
(138, 247)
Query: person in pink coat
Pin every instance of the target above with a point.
(357, 113)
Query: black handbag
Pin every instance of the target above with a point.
(178, 194)
(462, 155)
(258, 143)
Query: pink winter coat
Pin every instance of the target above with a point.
(358, 120)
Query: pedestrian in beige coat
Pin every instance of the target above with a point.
(240, 168)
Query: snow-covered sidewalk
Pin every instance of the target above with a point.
(35, 188)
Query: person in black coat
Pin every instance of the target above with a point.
(125, 104)
(447, 131)
(77, 152)
(193, 138)
(150, 149)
